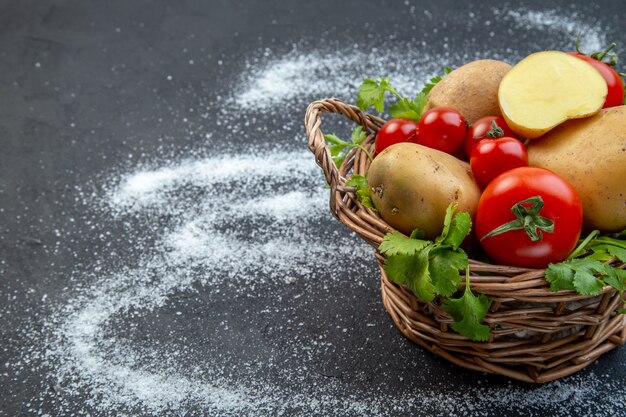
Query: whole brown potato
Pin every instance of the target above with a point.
(412, 186)
(591, 154)
(472, 89)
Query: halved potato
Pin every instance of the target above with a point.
(547, 88)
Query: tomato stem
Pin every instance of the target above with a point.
(496, 131)
(600, 55)
(527, 219)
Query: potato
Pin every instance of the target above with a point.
(547, 88)
(591, 154)
(472, 89)
(412, 186)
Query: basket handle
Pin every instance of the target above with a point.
(315, 137)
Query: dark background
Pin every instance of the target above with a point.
(84, 84)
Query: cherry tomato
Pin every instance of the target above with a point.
(535, 197)
(441, 128)
(396, 131)
(483, 128)
(492, 157)
(614, 82)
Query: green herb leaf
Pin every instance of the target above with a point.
(412, 271)
(363, 192)
(433, 81)
(358, 135)
(617, 279)
(372, 93)
(432, 268)
(579, 275)
(338, 146)
(444, 266)
(455, 228)
(468, 313)
(395, 243)
(613, 247)
(586, 283)
(560, 276)
(335, 140)
(406, 109)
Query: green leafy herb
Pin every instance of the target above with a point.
(338, 146)
(586, 272)
(468, 313)
(363, 192)
(433, 81)
(372, 93)
(431, 269)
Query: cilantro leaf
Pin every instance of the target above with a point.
(579, 275)
(395, 243)
(612, 247)
(338, 146)
(468, 313)
(560, 276)
(444, 266)
(617, 279)
(586, 283)
(412, 271)
(406, 109)
(358, 135)
(372, 93)
(433, 81)
(431, 268)
(455, 228)
(363, 192)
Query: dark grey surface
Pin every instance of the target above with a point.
(83, 85)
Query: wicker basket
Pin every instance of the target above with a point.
(536, 335)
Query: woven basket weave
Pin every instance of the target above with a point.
(536, 335)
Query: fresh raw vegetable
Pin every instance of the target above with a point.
(372, 93)
(396, 131)
(614, 82)
(361, 190)
(528, 217)
(472, 89)
(488, 127)
(547, 88)
(431, 268)
(412, 185)
(586, 272)
(591, 154)
(441, 128)
(492, 157)
(338, 148)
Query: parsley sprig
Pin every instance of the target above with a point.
(586, 270)
(372, 93)
(338, 147)
(431, 269)
(362, 190)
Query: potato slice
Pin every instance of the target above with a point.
(547, 88)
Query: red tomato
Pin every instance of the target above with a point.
(614, 82)
(507, 194)
(441, 128)
(396, 131)
(492, 157)
(483, 129)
